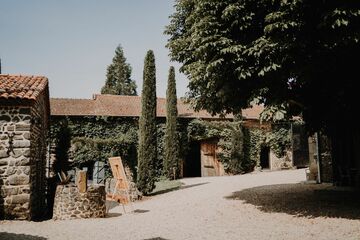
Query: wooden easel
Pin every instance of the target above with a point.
(122, 184)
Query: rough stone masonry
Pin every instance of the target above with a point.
(22, 166)
(15, 162)
(71, 204)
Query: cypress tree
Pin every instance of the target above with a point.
(118, 76)
(171, 158)
(147, 155)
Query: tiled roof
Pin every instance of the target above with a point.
(128, 106)
(21, 87)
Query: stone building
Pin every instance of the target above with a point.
(24, 115)
(202, 158)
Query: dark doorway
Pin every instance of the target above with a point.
(264, 157)
(300, 146)
(192, 164)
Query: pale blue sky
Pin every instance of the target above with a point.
(72, 41)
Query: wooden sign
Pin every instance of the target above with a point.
(118, 171)
(81, 181)
(121, 189)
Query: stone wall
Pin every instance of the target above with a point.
(284, 162)
(38, 138)
(71, 204)
(300, 146)
(326, 170)
(15, 163)
(23, 132)
(326, 159)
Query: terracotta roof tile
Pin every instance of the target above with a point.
(22, 87)
(129, 106)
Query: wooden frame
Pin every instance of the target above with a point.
(121, 185)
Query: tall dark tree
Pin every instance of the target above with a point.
(171, 159)
(118, 76)
(291, 55)
(147, 155)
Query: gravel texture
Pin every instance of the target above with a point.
(266, 205)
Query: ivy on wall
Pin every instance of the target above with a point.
(94, 139)
(98, 138)
(184, 145)
(240, 146)
(232, 142)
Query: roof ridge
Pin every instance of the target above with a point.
(59, 98)
(23, 75)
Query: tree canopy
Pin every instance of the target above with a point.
(118, 76)
(296, 55)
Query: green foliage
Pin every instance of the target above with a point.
(171, 159)
(60, 136)
(240, 146)
(118, 76)
(160, 133)
(94, 139)
(147, 153)
(278, 139)
(287, 54)
(87, 150)
(255, 139)
(231, 142)
(216, 42)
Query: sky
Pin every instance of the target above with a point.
(73, 41)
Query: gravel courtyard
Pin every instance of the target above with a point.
(267, 205)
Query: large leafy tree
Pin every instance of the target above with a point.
(171, 158)
(147, 152)
(295, 55)
(118, 76)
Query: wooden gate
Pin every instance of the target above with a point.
(210, 164)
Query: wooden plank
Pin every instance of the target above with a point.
(122, 187)
(81, 181)
(118, 171)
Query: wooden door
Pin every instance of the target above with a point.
(210, 165)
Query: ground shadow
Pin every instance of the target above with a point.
(15, 236)
(156, 238)
(141, 211)
(303, 200)
(176, 188)
(110, 215)
(111, 204)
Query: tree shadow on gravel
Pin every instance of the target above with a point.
(15, 236)
(176, 188)
(303, 200)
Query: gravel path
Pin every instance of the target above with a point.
(267, 205)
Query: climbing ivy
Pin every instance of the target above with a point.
(97, 138)
(240, 146)
(94, 139)
(231, 136)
